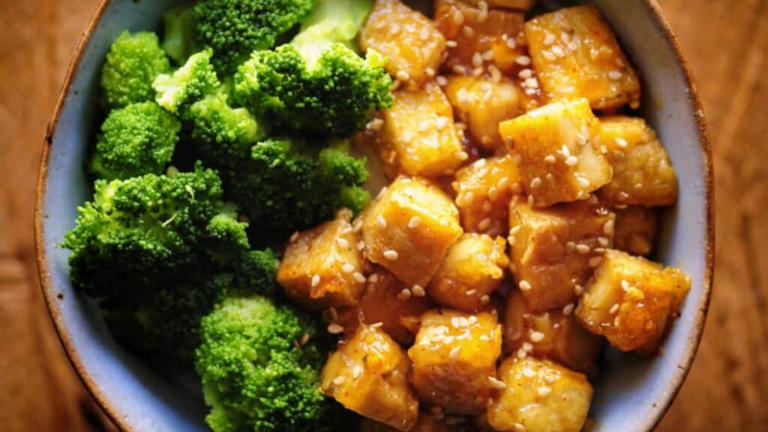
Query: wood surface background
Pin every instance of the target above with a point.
(726, 43)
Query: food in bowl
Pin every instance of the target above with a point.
(475, 291)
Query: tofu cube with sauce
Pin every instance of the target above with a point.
(410, 41)
(472, 269)
(409, 228)
(419, 128)
(642, 172)
(480, 40)
(554, 334)
(632, 301)
(539, 396)
(484, 190)
(394, 304)
(560, 159)
(453, 358)
(553, 251)
(322, 267)
(576, 55)
(368, 374)
(636, 228)
(482, 103)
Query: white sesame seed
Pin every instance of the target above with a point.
(549, 39)
(357, 371)
(521, 353)
(582, 248)
(535, 182)
(525, 285)
(496, 383)
(519, 427)
(622, 195)
(514, 230)
(359, 277)
(614, 309)
(527, 347)
(582, 181)
(485, 299)
(484, 224)
(525, 74)
(556, 50)
(530, 200)
(418, 291)
(571, 160)
(548, 55)
(614, 75)
(550, 159)
(347, 268)
(486, 206)
(568, 309)
(470, 292)
(477, 59)
(404, 294)
(511, 44)
(467, 32)
(544, 390)
(424, 33)
(334, 328)
(342, 242)
(451, 43)
(536, 336)
(531, 83)
(339, 380)
(454, 353)
(578, 289)
(381, 221)
(391, 255)
(621, 142)
(595, 261)
(402, 75)
(603, 241)
(608, 227)
(294, 236)
(315, 280)
(523, 60)
(373, 278)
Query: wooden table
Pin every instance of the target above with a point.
(726, 43)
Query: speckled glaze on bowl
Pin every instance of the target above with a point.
(631, 394)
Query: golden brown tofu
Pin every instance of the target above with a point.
(576, 55)
(420, 129)
(426, 423)
(368, 375)
(471, 270)
(483, 192)
(632, 301)
(642, 172)
(410, 41)
(554, 250)
(482, 103)
(636, 228)
(539, 396)
(397, 306)
(409, 228)
(454, 355)
(480, 40)
(560, 159)
(322, 267)
(554, 334)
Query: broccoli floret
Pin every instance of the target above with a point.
(317, 86)
(224, 133)
(156, 252)
(259, 364)
(188, 84)
(135, 140)
(235, 28)
(178, 36)
(132, 63)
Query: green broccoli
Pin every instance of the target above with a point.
(317, 86)
(156, 252)
(235, 28)
(178, 37)
(135, 140)
(132, 63)
(279, 185)
(259, 364)
(188, 84)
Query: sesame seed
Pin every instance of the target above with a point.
(621, 142)
(315, 280)
(523, 60)
(294, 236)
(347, 268)
(342, 242)
(595, 261)
(527, 347)
(402, 75)
(525, 285)
(521, 354)
(441, 81)
(486, 206)
(334, 328)
(488, 55)
(424, 34)
(477, 59)
(359, 277)
(373, 278)
(339, 380)
(530, 200)
(485, 299)
(495, 73)
(531, 83)
(603, 241)
(578, 289)
(357, 371)
(571, 161)
(548, 55)
(614, 75)
(549, 39)
(622, 195)
(582, 248)
(550, 159)
(458, 16)
(381, 221)
(470, 292)
(608, 227)
(568, 309)
(493, 193)
(537, 336)
(544, 390)
(404, 294)
(451, 44)
(360, 245)
(467, 32)
(454, 353)
(375, 124)
(519, 427)
(511, 44)
(535, 182)
(614, 309)
(503, 183)
(582, 181)
(376, 325)
(484, 224)
(418, 291)
(391, 255)
(556, 50)
(496, 383)
(394, 29)
(514, 230)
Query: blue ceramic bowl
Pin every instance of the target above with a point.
(631, 394)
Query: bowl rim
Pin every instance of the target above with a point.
(660, 406)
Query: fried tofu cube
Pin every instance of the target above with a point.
(470, 272)
(482, 103)
(410, 41)
(454, 355)
(554, 334)
(632, 301)
(539, 396)
(636, 228)
(576, 55)
(390, 302)
(484, 190)
(554, 250)
(560, 160)
(368, 374)
(642, 172)
(322, 267)
(409, 228)
(420, 129)
(425, 423)
(481, 39)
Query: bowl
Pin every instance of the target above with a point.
(631, 393)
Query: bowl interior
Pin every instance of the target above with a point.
(631, 393)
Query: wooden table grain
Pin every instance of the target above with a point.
(726, 43)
